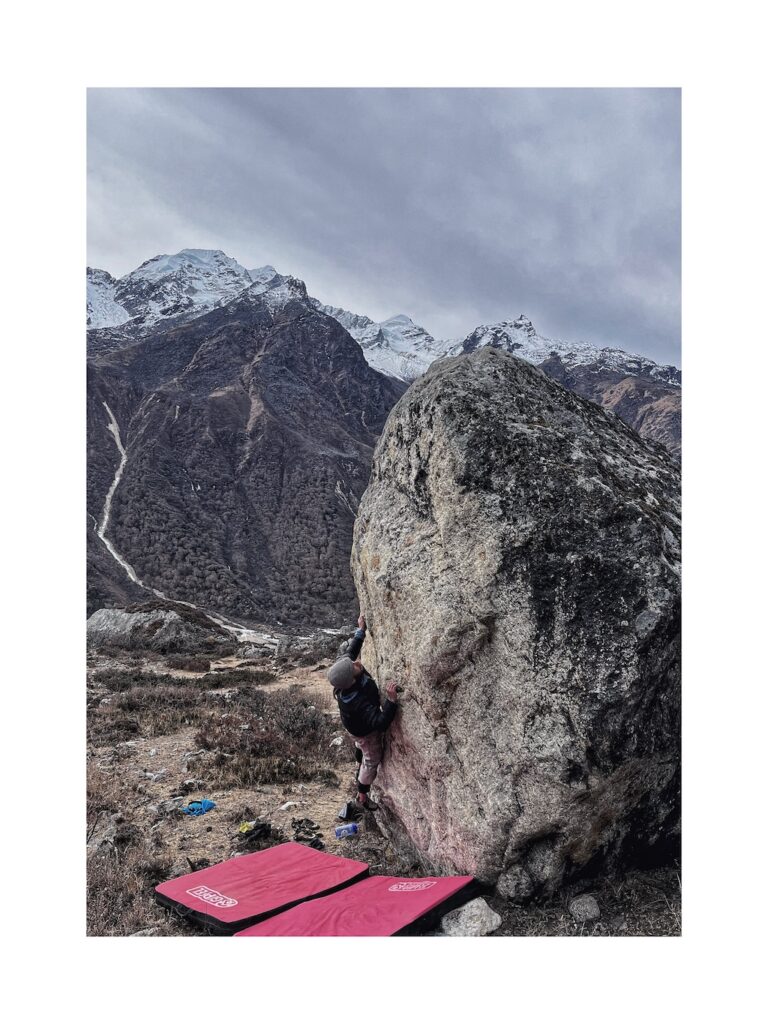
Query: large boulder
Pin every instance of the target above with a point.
(517, 556)
(156, 626)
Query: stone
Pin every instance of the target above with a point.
(154, 625)
(511, 537)
(338, 741)
(193, 755)
(583, 909)
(516, 884)
(474, 918)
(192, 785)
(166, 807)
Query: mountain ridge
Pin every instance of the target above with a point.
(172, 290)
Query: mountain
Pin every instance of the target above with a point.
(520, 338)
(227, 454)
(644, 394)
(177, 289)
(164, 290)
(397, 346)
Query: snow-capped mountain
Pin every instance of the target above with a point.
(183, 286)
(520, 338)
(397, 346)
(173, 290)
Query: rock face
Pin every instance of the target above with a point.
(517, 556)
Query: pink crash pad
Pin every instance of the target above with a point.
(377, 905)
(243, 890)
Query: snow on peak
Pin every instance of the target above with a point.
(101, 308)
(400, 320)
(263, 274)
(520, 338)
(182, 286)
(396, 346)
(277, 290)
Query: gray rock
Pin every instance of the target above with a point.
(166, 807)
(511, 536)
(516, 884)
(193, 785)
(583, 909)
(143, 932)
(155, 626)
(474, 918)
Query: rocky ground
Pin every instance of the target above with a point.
(167, 729)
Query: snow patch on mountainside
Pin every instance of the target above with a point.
(102, 309)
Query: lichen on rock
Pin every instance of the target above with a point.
(517, 554)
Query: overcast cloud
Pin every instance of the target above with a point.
(455, 206)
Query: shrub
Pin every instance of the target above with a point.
(277, 737)
(188, 662)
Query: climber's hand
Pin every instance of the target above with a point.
(391, 689)
(361, 622)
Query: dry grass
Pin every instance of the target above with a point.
(640, 903)
(143, 704)
(123, 867)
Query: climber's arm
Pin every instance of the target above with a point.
(356, 641)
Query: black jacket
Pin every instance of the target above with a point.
(360, 705)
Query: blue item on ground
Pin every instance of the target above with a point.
(198, 807)
(346, 830)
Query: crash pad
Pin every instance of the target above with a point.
(377, 905)
(243, 890)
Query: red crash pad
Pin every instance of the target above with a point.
(243, 890)
(378, 905)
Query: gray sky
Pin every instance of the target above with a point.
(455, 206)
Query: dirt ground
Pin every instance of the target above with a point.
(137, 835)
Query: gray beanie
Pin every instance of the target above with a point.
(341, 675)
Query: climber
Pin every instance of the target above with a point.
(361, 714)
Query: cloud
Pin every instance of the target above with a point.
(456, 206)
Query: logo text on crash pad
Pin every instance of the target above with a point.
(410, 886)
(202, 892)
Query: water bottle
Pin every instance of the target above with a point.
(347, 830)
